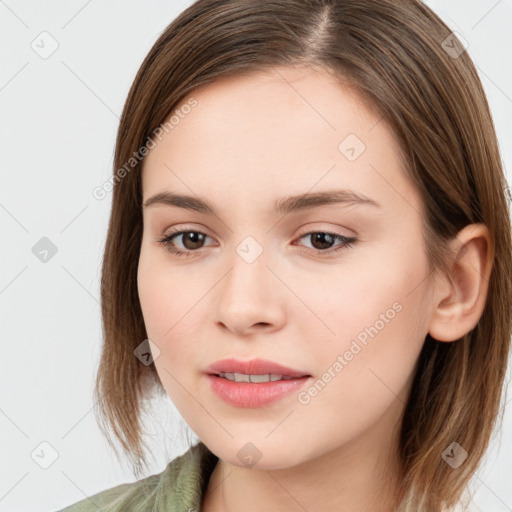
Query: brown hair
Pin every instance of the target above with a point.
(396, 55)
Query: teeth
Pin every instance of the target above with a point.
(242, 377)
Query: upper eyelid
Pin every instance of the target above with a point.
(186, 228)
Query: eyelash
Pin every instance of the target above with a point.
(347, 242)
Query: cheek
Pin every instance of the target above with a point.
(170, 303)
(376, 318)
(160, 303)
(365, 372)
(152, 296)
(163, 291)
(381, 293)
(158, 300)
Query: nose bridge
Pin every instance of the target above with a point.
(248, 269)
(247, 294)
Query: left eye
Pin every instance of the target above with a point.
(194, 239)
(323, 238)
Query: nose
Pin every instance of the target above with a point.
(250, 298)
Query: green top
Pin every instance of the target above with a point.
(180, 487)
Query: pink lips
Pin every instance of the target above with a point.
(254, 394)
(253, 367)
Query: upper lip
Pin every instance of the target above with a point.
(253, 367)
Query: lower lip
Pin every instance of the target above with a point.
(251, 394)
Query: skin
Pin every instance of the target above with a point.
(250, 140)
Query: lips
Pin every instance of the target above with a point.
(253, 367)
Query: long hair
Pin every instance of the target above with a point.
(408, 66)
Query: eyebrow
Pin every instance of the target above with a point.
(282, 205)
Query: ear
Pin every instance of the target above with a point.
(459, 298)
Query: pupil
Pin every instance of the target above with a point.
(196, 238)
(319, 237)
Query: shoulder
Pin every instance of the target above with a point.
(119, 497)
(110, 499)
(179, 487)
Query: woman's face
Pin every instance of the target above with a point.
(282, 284)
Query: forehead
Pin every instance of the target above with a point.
(285, 130)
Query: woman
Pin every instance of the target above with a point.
(309, 253)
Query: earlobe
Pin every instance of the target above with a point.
(459, 298)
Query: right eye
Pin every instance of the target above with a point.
(190, 237)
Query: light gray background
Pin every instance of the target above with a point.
(58, 126)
